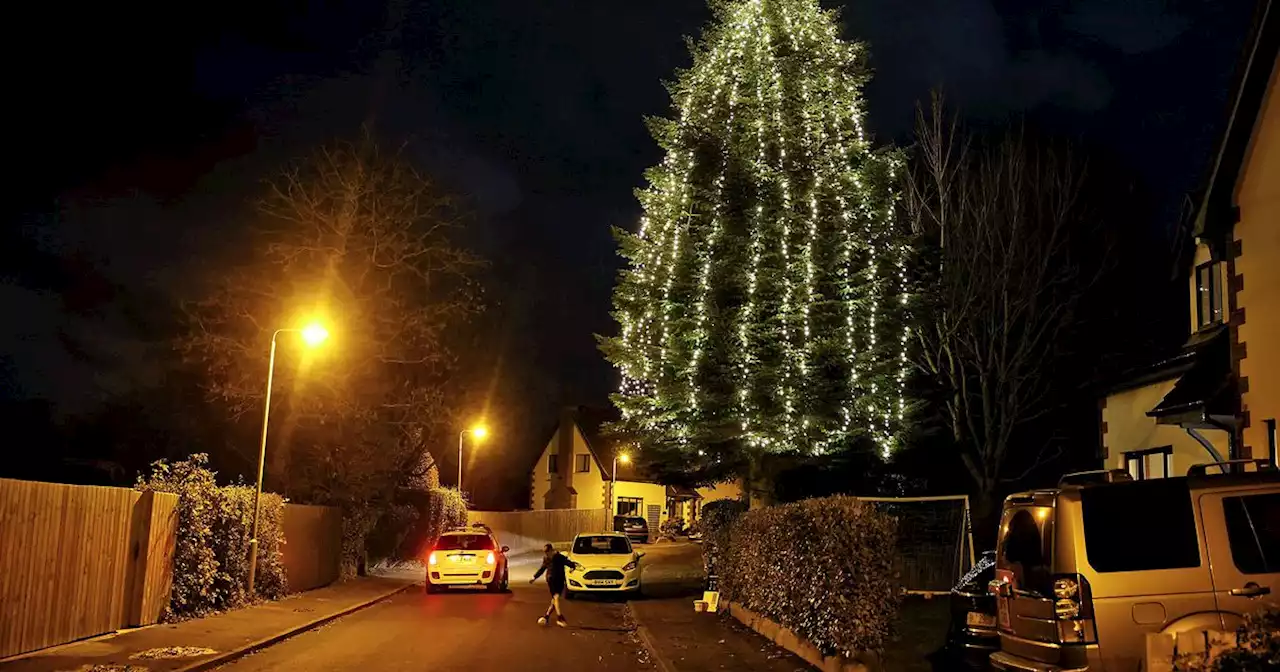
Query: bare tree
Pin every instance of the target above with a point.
(1001, 223)
(359, 239)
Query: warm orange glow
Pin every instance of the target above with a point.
(431, 559)
(624, 458)
(491, 560)
(314, 334)
(479, 432)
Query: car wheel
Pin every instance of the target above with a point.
(432, 589)
(506, 582)
(495, 586)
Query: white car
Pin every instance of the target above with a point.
(606, 564)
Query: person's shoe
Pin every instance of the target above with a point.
(561, 622)
(542, 620)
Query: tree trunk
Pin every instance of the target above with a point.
(760, 481)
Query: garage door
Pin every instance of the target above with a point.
(655, 515)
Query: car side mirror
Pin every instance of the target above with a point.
(505, 549)
(640, 555)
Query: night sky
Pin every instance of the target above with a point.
(142, 131)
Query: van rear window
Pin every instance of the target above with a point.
(1138, 526)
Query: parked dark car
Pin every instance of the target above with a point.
(972, 636)
(635, 527)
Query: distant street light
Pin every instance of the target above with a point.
(479, 432)
(313, 335)
(613, 481)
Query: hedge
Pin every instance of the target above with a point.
(211, 558)
(822, 568)
(715, 522)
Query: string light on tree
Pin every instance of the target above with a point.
(763, 303)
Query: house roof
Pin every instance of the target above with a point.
(1205, 388)
(1166, 368)
(1216, 212)
(591, 421)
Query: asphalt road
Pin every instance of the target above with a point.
(480, 632)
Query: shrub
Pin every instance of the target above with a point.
(211, 558)
(671, 528)
(1258, 648)
(823, 568)
(715, 522)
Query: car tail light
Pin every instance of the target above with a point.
(1073, 610)
(491, 560)
(431, 559)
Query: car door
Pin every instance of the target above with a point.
(1242, 533)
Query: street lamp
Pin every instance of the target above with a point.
(313, 335)
(478, 433)
(613, 482)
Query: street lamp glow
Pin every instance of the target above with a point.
(314, 334)
(477, 435)
(624, 458)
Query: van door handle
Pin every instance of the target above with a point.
(1251, 589)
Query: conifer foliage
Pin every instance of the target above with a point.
(763, 303)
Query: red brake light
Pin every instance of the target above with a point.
(431, 559)
(490, 559)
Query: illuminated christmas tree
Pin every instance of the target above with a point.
(762, 306)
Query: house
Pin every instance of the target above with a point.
(1219, 397)
(576, 471)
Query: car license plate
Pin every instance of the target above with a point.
(980, 619)
(465, 559)
(603, 583)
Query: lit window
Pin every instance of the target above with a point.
(1208, 295)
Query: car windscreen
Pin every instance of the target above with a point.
(601, 546)
(465, 542)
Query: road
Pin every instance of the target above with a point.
(479, 632)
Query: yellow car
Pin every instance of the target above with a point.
(467, 557)
(606, 564)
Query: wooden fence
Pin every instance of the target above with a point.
(79, 561)
(312, 552)
(527, 531)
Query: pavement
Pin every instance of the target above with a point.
(389, 624)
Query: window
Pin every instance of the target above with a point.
(582, 464)
(1272, 448)
(1026, 547)
(552, 463)
(1253, 528)
(1208, 295)
(1138, 526)
(601, 545)
(630, 506)
(1152, 463)
(465, 542)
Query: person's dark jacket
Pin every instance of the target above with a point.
(554, 567)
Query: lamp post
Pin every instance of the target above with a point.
(313, 335)
(613, 481)
(478, 433)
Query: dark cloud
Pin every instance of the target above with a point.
(1133, 26)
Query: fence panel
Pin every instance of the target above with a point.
(312, 551)
(67, 570)
(527, 531)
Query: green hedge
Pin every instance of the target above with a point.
(715, 522)
(823, 568)
(211, 558)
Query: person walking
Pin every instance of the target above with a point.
(553, 564)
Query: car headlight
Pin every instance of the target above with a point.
(630, 565)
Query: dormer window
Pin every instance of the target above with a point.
(1208, 295)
